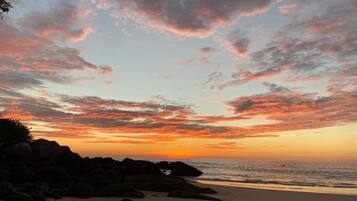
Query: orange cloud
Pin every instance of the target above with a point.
(223, 145)
(296, 111)
(92, 118)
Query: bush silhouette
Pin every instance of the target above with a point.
(13, 131)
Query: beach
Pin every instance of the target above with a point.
(229, 193)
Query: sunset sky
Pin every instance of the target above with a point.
(257, 79)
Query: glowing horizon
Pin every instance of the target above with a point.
(257, 79)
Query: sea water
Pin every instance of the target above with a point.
(310, 176)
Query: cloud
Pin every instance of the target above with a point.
(223, 145)
(102, 4)
(238, 43)
(243, 76)
(198, 18)
(215, 77)
(296, 111)
(288, 8)
(200, 61)
(18, 80)
(313, 48)
(208, 49)
(30, 53)
(95, 114)
(61, 22)
(91, 118)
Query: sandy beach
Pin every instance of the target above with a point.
(228, 193)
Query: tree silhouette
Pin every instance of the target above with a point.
(13, 131)
(4, 7)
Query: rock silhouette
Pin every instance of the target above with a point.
(36, 169)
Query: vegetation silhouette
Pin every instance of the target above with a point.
(13, 131)
(4, 7)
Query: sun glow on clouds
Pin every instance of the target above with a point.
(52, 46)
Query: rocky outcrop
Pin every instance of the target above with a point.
(35, 170)
(45, 150)
(179, 169)
(81, 190)
(19, 150)
(120, 190)
(140, 167)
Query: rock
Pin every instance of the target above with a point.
(4, 174)
(38, 196)
(98, 181)
(19, 151)
(190, 195)
(163, 165)
(52, 174)
(126, 199)
(68, 159)
(6, 190)
(182, 169)
(40, 187)
(3, 158)
(20, 197)
(45, 150)
(165, 184)
(57, 192)
(22, 173)
(134, 167)
(81, 190)
(120, 190)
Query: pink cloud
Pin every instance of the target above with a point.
(238, 44)
(30, 52)
(196, 18)
(61, 22)
(288, 8)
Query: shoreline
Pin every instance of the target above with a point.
(280, 187)
(230, 193)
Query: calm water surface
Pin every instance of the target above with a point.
(329, 177)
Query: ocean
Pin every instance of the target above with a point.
(323, 177)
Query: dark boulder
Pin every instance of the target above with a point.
(20, 197)
(120, 190)
(6, 190)
(182, 169)
(21, 173)
(4, 174)
(68, 159)
(135, 167)
(190, 195)
(19, 151)
(81, 190)
(40, 187)
(98, 181)
(52, 174)
(163, 165)
(38, 196)
(45, 150)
